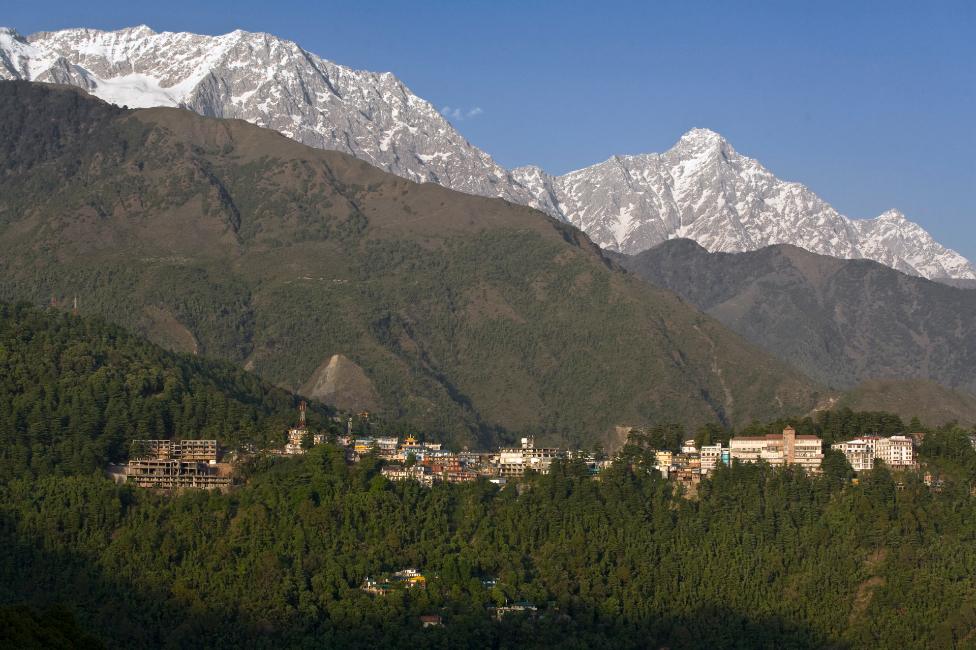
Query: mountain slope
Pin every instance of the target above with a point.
(841, 321)
(470, 316)
(270, 82)
(702, 189)
(931, 403)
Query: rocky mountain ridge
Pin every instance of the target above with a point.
(840, 321)
(700, 189)
(704, 190)
(270, 82)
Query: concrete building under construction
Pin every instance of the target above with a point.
(174, 465)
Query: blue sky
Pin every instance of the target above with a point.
(871, 104)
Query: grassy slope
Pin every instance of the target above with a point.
(473, 317)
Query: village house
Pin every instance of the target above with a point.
(431, 620)
(411, 577)
(376, 588)
(420, 473)
(711, 456)
(521, 607)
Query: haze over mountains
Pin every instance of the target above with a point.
(701, 189)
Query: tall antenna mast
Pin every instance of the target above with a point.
(301, 414)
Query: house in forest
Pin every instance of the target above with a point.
(521, 607)
(375, 587)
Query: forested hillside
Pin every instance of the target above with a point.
(758, 558)
(75, 391)
(761, 558)
(472, 318)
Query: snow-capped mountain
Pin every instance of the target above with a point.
(270, 82)
(702, 189)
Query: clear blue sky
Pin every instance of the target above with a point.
(871, 104)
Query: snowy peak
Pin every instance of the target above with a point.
(271, 82)
(892, 216)
(702, 189)
(701, 140)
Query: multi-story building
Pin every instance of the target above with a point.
(779, 449)
(859, 452)
(896, 451)
(419, 473)
(515, 461)
(387, 446)
(205, 450)
(298, 434)
(711, 456)
(177, 464)
(663, 458)
(447, 467)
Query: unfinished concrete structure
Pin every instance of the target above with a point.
(205, 450)
(174, 465)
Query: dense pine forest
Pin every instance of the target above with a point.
(759, 557)
(74, 391)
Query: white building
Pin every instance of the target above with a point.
(859, 452)
(514, 461)
(711, 456)
(896, 451)
(419, 473)
(779, 449)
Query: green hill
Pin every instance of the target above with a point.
(472, 318)
(75, 391)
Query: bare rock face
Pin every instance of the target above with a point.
(341, 383)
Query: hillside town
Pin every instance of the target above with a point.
(175, 465)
